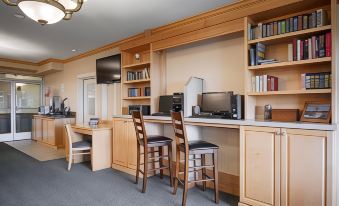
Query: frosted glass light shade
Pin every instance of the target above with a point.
(68, 4)
(41, 12)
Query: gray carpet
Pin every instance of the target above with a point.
(26, 181)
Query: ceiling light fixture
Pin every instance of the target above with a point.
(74, 50)
(47, 11)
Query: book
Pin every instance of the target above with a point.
(290, 52)
(313, 48)
(291, 24)
(275, 28)
(298, 50)
(257, 83)
(261, 81)
(283, 26)
(305, 54)
(269, 83)
(274, 83)
(264, 30)
(287, 27)
(303, 81)
(264, 83)
(322, 51)
(278, 28)
(301, 50)
(300, 23)
(249, 31)
(252, 56)
(260, 52)
(295, 56)
(321, 17)
(295, 23)
(305, 21)
(259, 30)
(328, 42)
(310, 48)
(271, 29)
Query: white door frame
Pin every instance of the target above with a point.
(80, 95)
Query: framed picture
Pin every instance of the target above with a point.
(319, 112)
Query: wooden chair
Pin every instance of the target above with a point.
(150, 143)
(193, 148)
(76, 148)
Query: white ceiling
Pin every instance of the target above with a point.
(98, 23)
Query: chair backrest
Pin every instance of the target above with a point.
(69, 138)
(139, 127)
(179, 129)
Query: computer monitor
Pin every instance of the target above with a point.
(165, 103)
(216, 102)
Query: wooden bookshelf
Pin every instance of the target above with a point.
(137, 81)
(291, 92)
(136, 65)
(288, 72)
(137, 98)
(280, 65)
(291, 35)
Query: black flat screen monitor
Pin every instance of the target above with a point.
(109, 69)
(165, 103)
(216, 102)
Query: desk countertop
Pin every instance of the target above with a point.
(87, 127)
(220, 122)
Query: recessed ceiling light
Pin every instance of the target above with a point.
(20, 16)
(74, 50)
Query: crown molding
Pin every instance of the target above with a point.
(220, 15)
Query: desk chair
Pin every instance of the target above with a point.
(76, 148)
(150, 142)
(193, 148)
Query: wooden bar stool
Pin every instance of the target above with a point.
(151, 142)
(193, 148)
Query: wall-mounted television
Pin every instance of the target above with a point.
(109, 69)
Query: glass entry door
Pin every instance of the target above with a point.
(6, 126)
(89, 99)
(19, 101)
(27, 102)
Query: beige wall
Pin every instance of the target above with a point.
(68, 78)
(220, 62)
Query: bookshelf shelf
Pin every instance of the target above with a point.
(137, 98)
(291, 92)
(288, 36)
(137, 81)
(291, 63)
(137, 65)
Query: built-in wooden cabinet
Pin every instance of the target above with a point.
(124, 146)
(284, 167)
(50, 131)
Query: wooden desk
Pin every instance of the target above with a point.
(101, 143)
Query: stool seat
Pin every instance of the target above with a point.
(153, 139)
(199, 145)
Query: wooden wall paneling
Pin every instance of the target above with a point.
(157, 83)
(206, 33)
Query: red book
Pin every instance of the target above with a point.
(301, 49)
(294, 49)
(274, 83)
(269, 83)
(328, 42)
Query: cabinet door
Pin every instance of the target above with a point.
(44, 130)
(120, 143)
(304, 168)
(51, 132)
(132, 146)
(260, 162)
(38, 129)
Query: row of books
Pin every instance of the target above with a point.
(265, 83)
(315, 19)
(257, 55)
(138, 75)
(137, 92)
(310, 48)
(320, 80)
